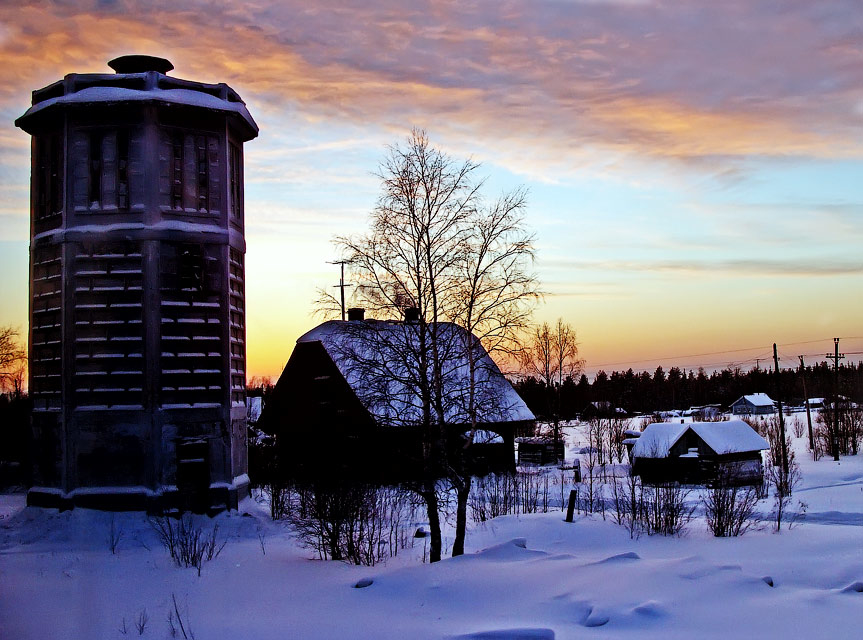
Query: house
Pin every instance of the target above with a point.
(539, 450)
(753, 404)
(350, 401)
(602, 409)
(698, 453)
(704, 412)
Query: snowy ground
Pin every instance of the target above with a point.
(530, 576)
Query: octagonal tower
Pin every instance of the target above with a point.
(137, 294)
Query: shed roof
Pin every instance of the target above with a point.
(379, 360)
(733, 436)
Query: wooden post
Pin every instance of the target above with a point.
(783, 445)
(808, 413)
(570, 508)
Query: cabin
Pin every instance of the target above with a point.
(754, 404)
(602, 409)
(698, 453)
(349, 401)
(539, 450)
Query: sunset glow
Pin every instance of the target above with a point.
(695, 170)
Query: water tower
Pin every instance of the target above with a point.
(137, 294)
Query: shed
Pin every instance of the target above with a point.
(539, 450)
(347, 401)
(753, 404)
(699, 452)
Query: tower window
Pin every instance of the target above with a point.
(236, 182)
(49, 175)
(189, 171)
(103, 179)
(95, 190)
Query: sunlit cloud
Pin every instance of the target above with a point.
(643, 128)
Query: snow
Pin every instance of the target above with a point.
(657, 439)
(497, 400)
(169, 96)
(527, 576)
(730, 436)
(759, 400)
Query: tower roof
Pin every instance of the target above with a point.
(138, 79)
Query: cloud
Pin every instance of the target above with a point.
(745, 267)
(698, 82)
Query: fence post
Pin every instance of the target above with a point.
(570, 508)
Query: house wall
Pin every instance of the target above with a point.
(323, 430)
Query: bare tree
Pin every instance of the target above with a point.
(435, 247)
(12, 360)
(551, 355)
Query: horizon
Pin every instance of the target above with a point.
(693, 171)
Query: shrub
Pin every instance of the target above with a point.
(186, 542)
(730, 508)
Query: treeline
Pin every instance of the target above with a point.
(680, 388)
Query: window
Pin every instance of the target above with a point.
(49, 154)
(101, 170)
(189, 172)
(236, 183)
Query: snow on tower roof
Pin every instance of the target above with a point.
(378, 361)
(734, 436)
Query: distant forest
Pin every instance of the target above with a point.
(680, 388)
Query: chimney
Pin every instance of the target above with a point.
(356, 314)
(412, 314)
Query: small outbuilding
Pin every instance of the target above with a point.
(754, 404)
(539, 450)
(698, 453)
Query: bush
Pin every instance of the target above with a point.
(730, 509)
(360, 524)
(185, 542)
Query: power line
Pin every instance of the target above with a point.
(765, 350)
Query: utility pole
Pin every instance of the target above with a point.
(808, 413)
(834, 437)
(783, 447)
(341, 285)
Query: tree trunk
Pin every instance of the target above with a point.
(462, 494)
(435, 544)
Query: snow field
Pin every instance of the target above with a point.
(528, 576)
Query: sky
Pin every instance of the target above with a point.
(695, 168)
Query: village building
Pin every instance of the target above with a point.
(137, 311)
(350, 401)
(697, 453)
(754, 404)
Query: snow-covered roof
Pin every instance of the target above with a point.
(733, 436)
(380, 362)
(657, 439)
(99, 88)
(757, 400)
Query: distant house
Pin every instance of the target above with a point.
(753, 404)
(698, 452)
(704, 412)
(602, 409)
(347, 401)
(254, 406)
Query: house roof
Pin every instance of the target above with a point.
(733, 436)
(756, 399)
(379, 359)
